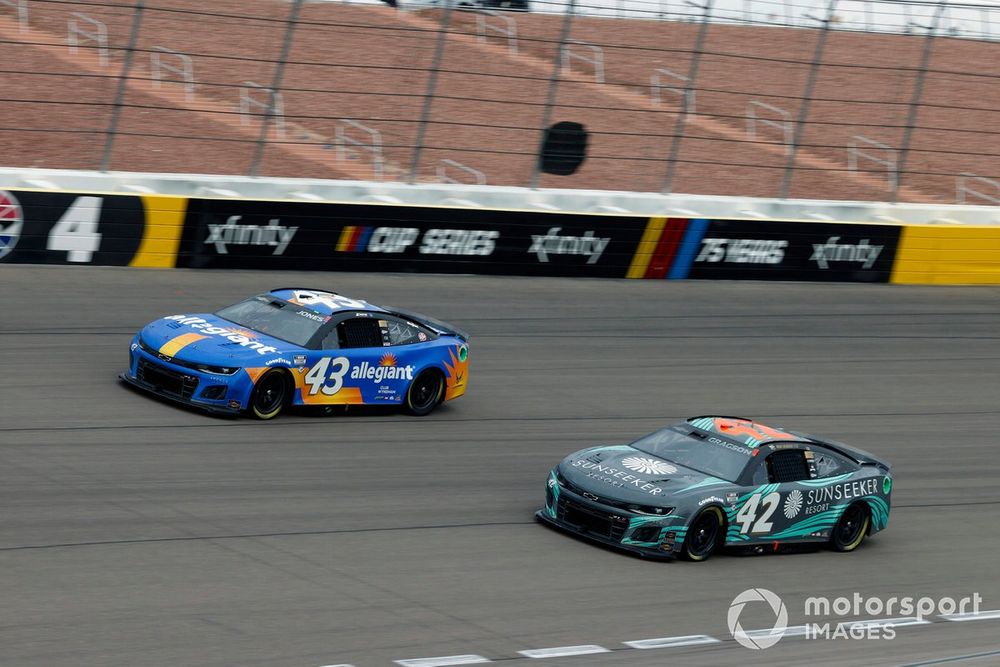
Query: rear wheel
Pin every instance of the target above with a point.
(704, 535)
(425, 393)
(270, 395)
(850, 531)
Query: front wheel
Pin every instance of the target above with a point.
(270, 395)
(704, 535)
(850, 531)
(425, 393)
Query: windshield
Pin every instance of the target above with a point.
(277, 318)
(712, 456)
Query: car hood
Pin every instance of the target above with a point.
(627, 474)
(208, 339)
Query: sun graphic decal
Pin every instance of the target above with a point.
(387, 360)
(793, 503)
(648, 466)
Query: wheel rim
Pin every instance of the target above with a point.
(703, 534)
(850, 525)
(270, 394)
(424, 392)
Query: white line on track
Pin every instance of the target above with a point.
(900, 622)
(973, 616)
(671, 642)
(563, 651)
(444, 661)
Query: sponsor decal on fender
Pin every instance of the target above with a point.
(616, 477)
(210, 330)
(232, 233)
(369, 371)
(588, 245)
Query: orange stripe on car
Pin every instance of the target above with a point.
(175, 345)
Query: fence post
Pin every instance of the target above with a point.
(122, 85)
(279, 74)
(918, 91)
(425, 113)
(692, 76)
(550, 99)
(786, 182)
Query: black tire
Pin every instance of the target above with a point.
(704, 535)
(424, 394)
(270, 395)
(851, 528)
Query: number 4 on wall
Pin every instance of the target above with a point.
(76, 231)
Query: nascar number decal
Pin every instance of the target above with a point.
(75, 233)
(747, 516)
(66, 228)
(327, 370)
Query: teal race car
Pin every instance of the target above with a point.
(692, 488)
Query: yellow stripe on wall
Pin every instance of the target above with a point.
(345, 238)
(161, 237)
(175, 345)
(647, 246)
(947, 255)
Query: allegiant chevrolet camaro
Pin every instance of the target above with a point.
(695, 487)
(296, 346)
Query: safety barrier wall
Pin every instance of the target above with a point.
(189, 232)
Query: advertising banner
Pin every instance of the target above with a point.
(359, 237)
(66, 228)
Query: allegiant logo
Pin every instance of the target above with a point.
(204, 327)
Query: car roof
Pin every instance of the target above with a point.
(745, 431)
(323, 301)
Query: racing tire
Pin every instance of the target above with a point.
(851, 528)
(424, 394)
(705, 534)
(270, 395)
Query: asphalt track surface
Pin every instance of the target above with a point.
(135, 533)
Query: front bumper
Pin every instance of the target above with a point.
(642, 535)
(180, 384)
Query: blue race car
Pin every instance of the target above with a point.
(296, 346)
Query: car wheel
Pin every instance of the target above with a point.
(270, 395)
(704, 535)
(425, 393)
(851, 529)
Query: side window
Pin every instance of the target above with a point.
(359, 332)
(828, 463)
(401, 332)
(760, 474)
(787, 465)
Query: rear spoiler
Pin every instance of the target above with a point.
(435, 325)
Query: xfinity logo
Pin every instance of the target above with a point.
(588, 245)
(273, 234)
(861, 253)
(742, 251)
